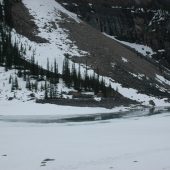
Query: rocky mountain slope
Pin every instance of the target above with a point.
(145, 22)
(48, 32)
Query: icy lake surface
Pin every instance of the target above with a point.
(131, 140)
(82, 118)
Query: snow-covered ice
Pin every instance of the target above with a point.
(121, 144)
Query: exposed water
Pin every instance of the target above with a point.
(84, 118)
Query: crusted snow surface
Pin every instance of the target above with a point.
(141, 143)
(47, 15)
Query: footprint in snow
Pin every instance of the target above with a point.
(135, 161)
(4, 155)
(45, 161)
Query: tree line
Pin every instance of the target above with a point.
(73, 78)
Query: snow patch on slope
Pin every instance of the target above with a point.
(135, 95)
(124, 60)
(161, 79)
(44, 8)
(139, 76)
(142, 49)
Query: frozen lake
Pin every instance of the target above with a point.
(82, 118)
(136, 140)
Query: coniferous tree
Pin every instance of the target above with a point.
(86, 79)
(19, 73)
(51, 91)
(36, 86)
(10, 79)
(16, 83)
(1, 57)
(48, 65)
(48, 68)
(12, 86)
(28, 83)
(79, 79)
(46, 91)
(41, 73)
(74, 76)
(1, 12)
(66, 72)
(42, 87)
(33, 65)
(24, 75)
(56, 72)
(55, 93)
(55, 67)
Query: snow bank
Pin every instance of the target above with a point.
(16, 107)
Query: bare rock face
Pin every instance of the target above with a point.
(23, 23)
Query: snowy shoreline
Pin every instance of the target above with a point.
(30, 108)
